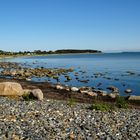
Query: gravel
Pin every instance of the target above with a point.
(57, 120)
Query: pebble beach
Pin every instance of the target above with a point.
(57, 120)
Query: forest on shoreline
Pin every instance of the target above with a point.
(40, 52)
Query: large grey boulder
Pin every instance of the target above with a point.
(37, 93)
(10, 88)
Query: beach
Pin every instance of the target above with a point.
(53, 119)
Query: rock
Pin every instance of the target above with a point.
(28, 79)
(37, 93)
(133, 97)
(114, 89)
(59, 87)
(128, 91)
(74, 89)
(112, 95)
(72, 137)
(11, 88)
(103, 94)
(67, 88)
(130, 72)
(93, 94)
(13, 72)
(85, 89)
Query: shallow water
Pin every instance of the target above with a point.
(112, 66)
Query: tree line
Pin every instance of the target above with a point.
(39, 52)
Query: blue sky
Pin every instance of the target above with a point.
(107, 25)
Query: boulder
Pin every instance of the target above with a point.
(133, 97)
(10, 88)
(37, 93)
(74, 89)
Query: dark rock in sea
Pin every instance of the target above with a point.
(99, 84)
(98, 74)
(130, 72)
(84, 81)
(116, 79)
(108, 78)
(123, 84)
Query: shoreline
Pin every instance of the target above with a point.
(51, 92)
(58, 91)
(36, 55)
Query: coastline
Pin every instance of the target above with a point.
(92, 94)
(34, 55)
(51, 92)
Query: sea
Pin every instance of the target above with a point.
(98, 70)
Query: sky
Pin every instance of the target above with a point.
(106, 25)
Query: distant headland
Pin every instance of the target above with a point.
(40, 52)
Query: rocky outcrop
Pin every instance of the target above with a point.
(10, 88)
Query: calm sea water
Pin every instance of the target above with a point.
(113, 66)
